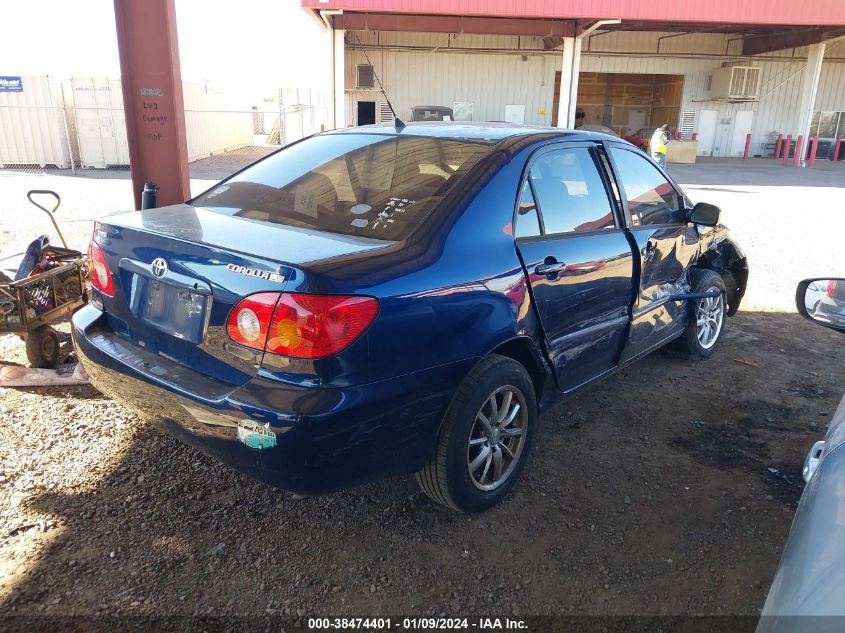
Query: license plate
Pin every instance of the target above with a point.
(176, 310)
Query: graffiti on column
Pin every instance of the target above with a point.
(152, 120)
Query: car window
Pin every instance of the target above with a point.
(570, 192)
(651, 198)
(367, 185)
(527, 218)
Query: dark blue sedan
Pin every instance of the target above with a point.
(380, 301)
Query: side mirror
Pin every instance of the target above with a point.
(823, 302)
(706, 214)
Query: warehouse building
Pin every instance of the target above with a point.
(716, 70)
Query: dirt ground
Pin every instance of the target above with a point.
(667, 489)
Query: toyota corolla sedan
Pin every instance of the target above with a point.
(389, 300)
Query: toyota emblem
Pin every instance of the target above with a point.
(159, 267)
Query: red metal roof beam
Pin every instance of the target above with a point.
(455, 24)
(808, 13)
(758, 44)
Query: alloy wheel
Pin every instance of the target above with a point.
(497, 438)
(709, 316)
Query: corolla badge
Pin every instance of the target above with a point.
(159, 267)
(256, 435)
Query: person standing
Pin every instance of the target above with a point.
(657, 145)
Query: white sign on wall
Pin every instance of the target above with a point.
(515, 113)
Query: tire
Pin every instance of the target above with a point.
(696, 343)
(42, 347)
(465, 439)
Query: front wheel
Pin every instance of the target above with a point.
(706, 317)
(484, 439)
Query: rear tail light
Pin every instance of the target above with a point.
(302, 325)
(98, 270)
(249, 321)
(831, 288)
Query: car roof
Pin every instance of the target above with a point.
(491, 132)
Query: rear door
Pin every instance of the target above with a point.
(666, 244)
(578, 260)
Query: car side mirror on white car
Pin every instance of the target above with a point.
(822, 301)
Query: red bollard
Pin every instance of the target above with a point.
(814, 147)
(322, 127)
(796, 159)
(835, 155)
(747, 146)
(786, 149)
(778, 145)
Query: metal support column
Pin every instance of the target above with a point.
(338, 76)
(809, 88)
(569, 70)
(152, 97)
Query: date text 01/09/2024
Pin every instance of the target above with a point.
(415, 624)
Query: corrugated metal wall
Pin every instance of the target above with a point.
(437, 69)
(494, 71)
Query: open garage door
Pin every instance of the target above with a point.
(628, 102)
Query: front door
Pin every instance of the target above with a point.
(666, 244)
(742, 128)
(706, 129)
(366, 112)
(578, 260)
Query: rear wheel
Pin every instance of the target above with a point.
(707, 317)
(42, 347)
(484, 439)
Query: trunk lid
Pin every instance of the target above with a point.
(179, 270)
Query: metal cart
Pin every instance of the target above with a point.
(28, 306)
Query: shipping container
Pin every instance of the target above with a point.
(34, 128)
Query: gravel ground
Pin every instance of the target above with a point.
(666, 489)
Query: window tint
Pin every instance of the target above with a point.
(570, 192)
(527, 219)
(367, 185)
(651, 198)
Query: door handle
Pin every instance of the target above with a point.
(549, 267)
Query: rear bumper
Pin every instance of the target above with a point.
(325, 438)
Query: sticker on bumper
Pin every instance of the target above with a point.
(256, 435)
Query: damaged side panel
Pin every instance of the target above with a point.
(725, 256)
(665, 255)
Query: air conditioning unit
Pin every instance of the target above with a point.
(736, 83)
(365, 76)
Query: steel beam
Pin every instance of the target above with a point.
(152, 97)
(809, 88)
(570, 67)
(759, 44)
(455, 24)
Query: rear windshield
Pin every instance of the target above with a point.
(367, 185)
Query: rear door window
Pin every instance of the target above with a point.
(570, 192)
(367, 185)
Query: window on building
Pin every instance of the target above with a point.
(651, 198)
(570, 192)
